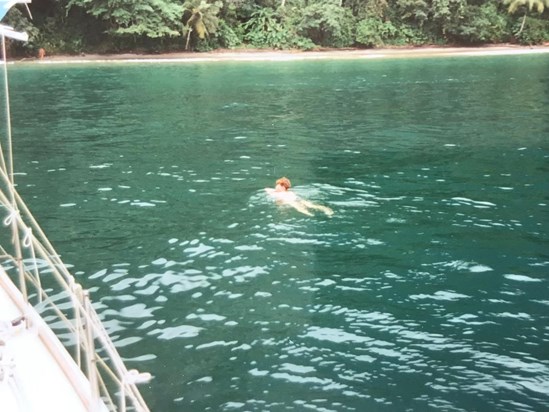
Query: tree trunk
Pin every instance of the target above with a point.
(522, 25)
(188, 38)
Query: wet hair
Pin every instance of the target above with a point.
(284, 181)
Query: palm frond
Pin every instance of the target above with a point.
(514, 5)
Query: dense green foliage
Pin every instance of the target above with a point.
(109, 26)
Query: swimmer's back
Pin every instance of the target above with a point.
(286, 197)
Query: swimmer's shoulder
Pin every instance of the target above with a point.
(282, 196)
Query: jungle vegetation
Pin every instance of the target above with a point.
(158, 26)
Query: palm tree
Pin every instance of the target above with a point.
(539, 5)
(202, 18)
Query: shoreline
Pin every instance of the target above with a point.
(226, 55)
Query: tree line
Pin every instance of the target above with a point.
(155, 26)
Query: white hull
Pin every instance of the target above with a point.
(36, 371)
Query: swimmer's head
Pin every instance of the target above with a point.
(284, 182)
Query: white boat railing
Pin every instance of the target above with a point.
(46, 284)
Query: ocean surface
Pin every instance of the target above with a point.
(427, 290)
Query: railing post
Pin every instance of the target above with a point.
(9, 171)
(122, 407)
(77, 298)
(90, 350)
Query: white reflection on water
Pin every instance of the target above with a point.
(182, 331)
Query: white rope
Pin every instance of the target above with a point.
(27, 240)
(29, 244)
(10, 220)
(14, 213)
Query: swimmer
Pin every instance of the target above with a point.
(282, 194)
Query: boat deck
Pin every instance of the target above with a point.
(36, 371)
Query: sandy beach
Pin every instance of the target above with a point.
(285, 55)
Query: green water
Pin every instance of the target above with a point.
(428, 288)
